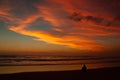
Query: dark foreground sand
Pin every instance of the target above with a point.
(95, 74)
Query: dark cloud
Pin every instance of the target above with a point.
(94, 19)
(117, 18)
(21, 9)
(76, 16)
(111, 6)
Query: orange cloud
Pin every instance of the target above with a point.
(74, 42)
(71, 41)
(81, 34)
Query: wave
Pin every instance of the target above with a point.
(26, 60)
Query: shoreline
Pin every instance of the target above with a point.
(45, 68)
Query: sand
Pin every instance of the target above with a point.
(93, 74)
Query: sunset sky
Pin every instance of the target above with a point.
(60, 27)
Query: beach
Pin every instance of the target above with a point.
(112, 73)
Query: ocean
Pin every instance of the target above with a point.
(31, 63)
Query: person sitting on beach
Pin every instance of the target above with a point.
(84, 68)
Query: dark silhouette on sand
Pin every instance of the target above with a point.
(84, 68)
(93, 74)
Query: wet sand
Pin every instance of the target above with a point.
(93, 74)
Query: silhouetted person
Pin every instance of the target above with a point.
(84, 68)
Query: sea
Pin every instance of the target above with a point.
(37, 63)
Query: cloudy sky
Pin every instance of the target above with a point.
(60, 26)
